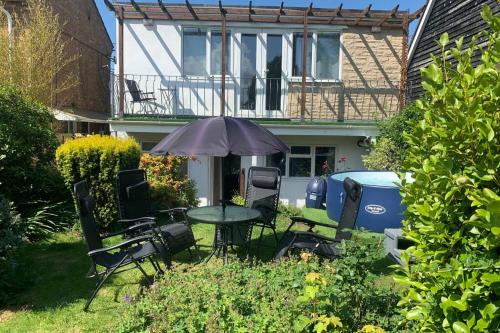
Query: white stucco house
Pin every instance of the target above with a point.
(317, 78)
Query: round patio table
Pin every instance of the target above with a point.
(224, 220)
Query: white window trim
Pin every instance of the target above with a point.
(313, 75)
(311, 155)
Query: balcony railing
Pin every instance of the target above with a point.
(163, 97)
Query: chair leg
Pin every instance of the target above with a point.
(259, 244)
(96, 289)
(156, 266)
(142, 271)
(101, 282)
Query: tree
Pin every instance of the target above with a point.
(36, 62)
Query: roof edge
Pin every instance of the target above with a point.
(420, 30)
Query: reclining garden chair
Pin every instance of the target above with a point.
(142, 98)
(262, 193)
(115, 258)
(135, 205)
(319, 244)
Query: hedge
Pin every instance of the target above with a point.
(98, 159)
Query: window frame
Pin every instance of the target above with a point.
(313, 75)
(208, 51)
(147, 142)
(311, 156)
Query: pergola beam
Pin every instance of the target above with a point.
(191, 10)
(110, 6)
(164, 9)
(138, 9)
(366, 13)
(223, 61)
(392, 14)
(281, 12)
(336, 13)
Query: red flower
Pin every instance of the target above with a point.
(343, 159)
(324, 166)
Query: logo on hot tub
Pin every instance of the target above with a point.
(375, 209)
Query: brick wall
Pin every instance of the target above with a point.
(370, 75)
(88, 43)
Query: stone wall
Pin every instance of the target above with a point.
(370, 72)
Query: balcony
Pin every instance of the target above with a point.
(157, 97)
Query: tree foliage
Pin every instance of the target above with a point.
(27, 149)
(34, 59)
(391, 148)
(453, 206)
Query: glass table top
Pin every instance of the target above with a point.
(214, 214)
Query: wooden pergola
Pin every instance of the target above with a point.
(303, 16)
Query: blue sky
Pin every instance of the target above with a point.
(411, 5)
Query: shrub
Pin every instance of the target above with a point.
(268, 297)
(27, 148)
(453, 207)
(10, 237)
(391, 148)
(170, 186)
(98, 159)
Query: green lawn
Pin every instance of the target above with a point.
(53, 300)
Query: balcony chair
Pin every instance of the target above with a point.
(319, 244)
(135, 203)
(262, 193)
(144, 99)
(115, 258)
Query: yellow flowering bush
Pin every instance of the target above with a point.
(170, 185)
(98, 159)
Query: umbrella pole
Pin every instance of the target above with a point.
(223, 189)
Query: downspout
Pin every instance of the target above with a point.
(9, 31)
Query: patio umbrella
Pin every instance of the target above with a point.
(220, 136)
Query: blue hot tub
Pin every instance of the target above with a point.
(380, 207)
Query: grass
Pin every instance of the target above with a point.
(53, 299)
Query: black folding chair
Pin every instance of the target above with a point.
(135, 203)
(262, 193)
(131, 252)
(319, 244)
(140, 97)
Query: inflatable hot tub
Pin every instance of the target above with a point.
(380, 206)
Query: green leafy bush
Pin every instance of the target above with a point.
(239, 297)
(170, 186)
(10, 238)
(27, 150)
(98, 159)
(391, 148)
(453, 211)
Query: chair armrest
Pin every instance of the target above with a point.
(127, 243)
(139, 219)
(150, 224)
(172, 210)
(311, 223)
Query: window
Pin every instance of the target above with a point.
(194, 45)
(248, 70)
(324, 53)
(147, 145)
(324, 162)
(277, 160)
(304, 161)
(299, 162)
(216, 51)
(298, 48)
(327, 56)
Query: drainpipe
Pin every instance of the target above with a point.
(9, 31)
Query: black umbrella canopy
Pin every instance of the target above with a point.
(220, 136)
